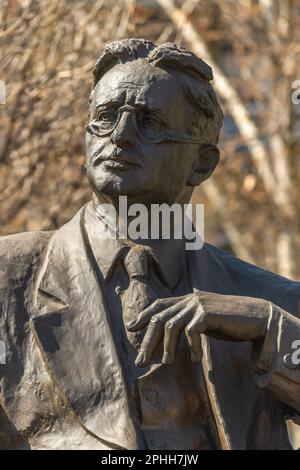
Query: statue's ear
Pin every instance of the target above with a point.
(204, 165)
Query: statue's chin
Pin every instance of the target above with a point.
(112, 185)
(138, 189)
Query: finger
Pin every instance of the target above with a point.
(145, 316)
(193, 333)
(154, 333)
(151, 339)
(173, 328)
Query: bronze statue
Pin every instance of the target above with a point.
(122, 344)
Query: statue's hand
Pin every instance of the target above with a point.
(223, 316)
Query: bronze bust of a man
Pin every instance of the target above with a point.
(140, 344)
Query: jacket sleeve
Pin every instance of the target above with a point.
(18, 253)
(278, 364)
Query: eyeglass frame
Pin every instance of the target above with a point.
(164, 136)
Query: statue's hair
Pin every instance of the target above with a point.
(197, 73)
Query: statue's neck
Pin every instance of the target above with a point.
(170, 252)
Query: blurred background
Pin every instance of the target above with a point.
(47, 50)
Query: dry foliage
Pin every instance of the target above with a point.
(47, 51)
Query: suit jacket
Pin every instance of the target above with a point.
(62, 385)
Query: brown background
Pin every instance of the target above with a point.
(47, 50)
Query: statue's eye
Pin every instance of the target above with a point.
(150, 123)
(108, 116)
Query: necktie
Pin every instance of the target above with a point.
(139, 293)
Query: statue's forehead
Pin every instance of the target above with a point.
(145, 82)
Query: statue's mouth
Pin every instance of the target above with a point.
(119, 164)
(119, 158)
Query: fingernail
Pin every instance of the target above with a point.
(167, 358)
(131, 324)
(140, 359)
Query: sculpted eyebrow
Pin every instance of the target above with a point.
(148, 108)
(111, 101)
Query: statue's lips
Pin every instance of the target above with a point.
(119, 164)
(119, 158)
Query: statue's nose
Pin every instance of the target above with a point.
(124, 134)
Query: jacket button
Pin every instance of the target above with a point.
(151, 396)
(158, 444)
(119, 290)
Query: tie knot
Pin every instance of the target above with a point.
(136, 262)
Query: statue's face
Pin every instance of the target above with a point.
(135, 108)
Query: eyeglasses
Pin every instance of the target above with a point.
(148, 128)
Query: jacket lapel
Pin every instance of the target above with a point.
(226, 365)
(70, 324)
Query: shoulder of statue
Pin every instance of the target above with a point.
(254, 281)
(19, 255)
(22, 245)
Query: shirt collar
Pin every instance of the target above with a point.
(106, 248)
